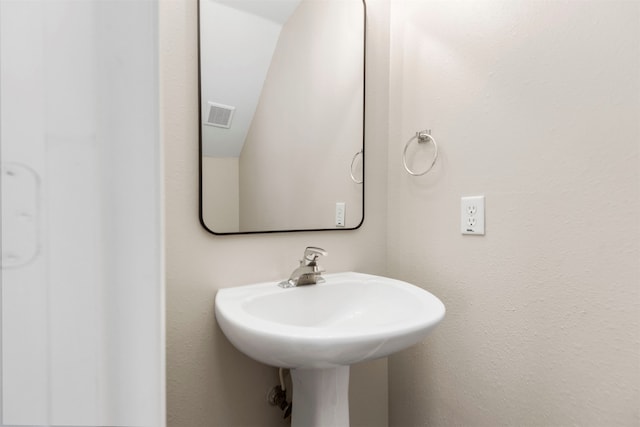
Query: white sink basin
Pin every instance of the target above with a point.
(350, 318)
(319, 330)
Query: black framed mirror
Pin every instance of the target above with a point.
(281, 102)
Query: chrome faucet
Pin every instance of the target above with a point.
(308, 272)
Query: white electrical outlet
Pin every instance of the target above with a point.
(340, 214)
(472, 215)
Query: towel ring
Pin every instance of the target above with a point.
(355, 156)
(423, 136)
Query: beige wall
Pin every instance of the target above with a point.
(536, 105)
(209, 383)
(221, 193)
(321, 94)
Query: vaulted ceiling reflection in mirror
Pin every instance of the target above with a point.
(282, 112)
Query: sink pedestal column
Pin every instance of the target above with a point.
(320, 397)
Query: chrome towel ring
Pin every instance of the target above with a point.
(422, 136)
(351, 171)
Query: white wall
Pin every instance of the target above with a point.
(247, 47)
(209, 381)
(537, 106)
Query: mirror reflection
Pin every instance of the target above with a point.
(282, 112)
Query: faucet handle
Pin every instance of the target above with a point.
(312, 253)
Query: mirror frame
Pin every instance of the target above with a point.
(364, 86)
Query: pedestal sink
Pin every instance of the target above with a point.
(319, 330)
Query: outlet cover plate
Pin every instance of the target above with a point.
(472, 215)
(340, 213)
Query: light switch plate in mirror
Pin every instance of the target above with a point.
(281, 102)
